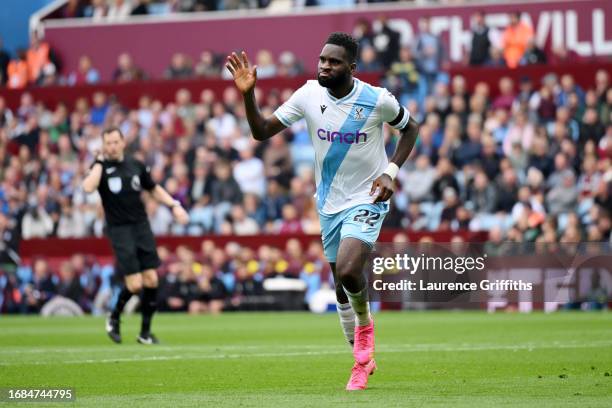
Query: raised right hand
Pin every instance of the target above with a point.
(244, 75)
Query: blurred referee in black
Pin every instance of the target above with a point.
(120, 181)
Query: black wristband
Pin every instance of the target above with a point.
(96, 162)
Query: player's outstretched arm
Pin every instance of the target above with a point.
(179, 213)
(92, 180)
(245, 77)
(384, 183)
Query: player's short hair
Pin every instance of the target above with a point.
(345, 41)
(111, 130)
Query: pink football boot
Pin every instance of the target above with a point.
(359, 376)
(363, 349)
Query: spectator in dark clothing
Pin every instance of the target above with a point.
(482, 194)
(445, 178)
(274, 200)
(179, 288)
(525, 92)
(547, 108)
(10, 231)
(180, 67)
(211, 293)
(449, 212)
(200, 183)
(205, 5)
(246, 284)
(30, 134)
(126, 71)
(224, 188)
(407, 75)
(223, 149)
(540, 157)
(481, 41)
(141, 8)
(490, 158)
(363, 33)
(74, 9)
(5, 113)
(590, 128)
(69, 285)
(471, 148)
(533, 55)
(5, 58)
(386, 42)
(507, 191)
(207, 65)
(10, 296)
(42, 288)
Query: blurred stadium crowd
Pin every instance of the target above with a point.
(210, 280)
(533, 164)
(410, 71)
(39, 66)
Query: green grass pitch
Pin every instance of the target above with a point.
(442, 359)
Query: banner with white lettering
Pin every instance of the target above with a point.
(579, 25)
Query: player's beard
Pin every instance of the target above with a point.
(334, 81)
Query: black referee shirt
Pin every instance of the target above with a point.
(120, 188)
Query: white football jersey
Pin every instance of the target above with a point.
(347, 135)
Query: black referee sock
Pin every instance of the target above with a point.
(124, 296)
(149, 305)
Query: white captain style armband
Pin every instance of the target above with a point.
(392, 170)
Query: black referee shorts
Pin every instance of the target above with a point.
(134, 246)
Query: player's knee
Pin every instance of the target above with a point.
(134, 283)
(134, 286)
(150, 280)
(347, 272)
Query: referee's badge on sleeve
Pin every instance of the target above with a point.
(114, 184)
(136, 183)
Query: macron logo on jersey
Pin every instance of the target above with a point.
(339, 137)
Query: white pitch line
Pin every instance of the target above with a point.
(14, 350)
(414, 348)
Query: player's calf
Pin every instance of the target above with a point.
(347, 321)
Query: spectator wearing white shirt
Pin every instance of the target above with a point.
(160, 217)
(242, 224)
(249, 173)
(119, 10)
(71, 223)
(222, 123)
(37, 223)
(418, 182)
